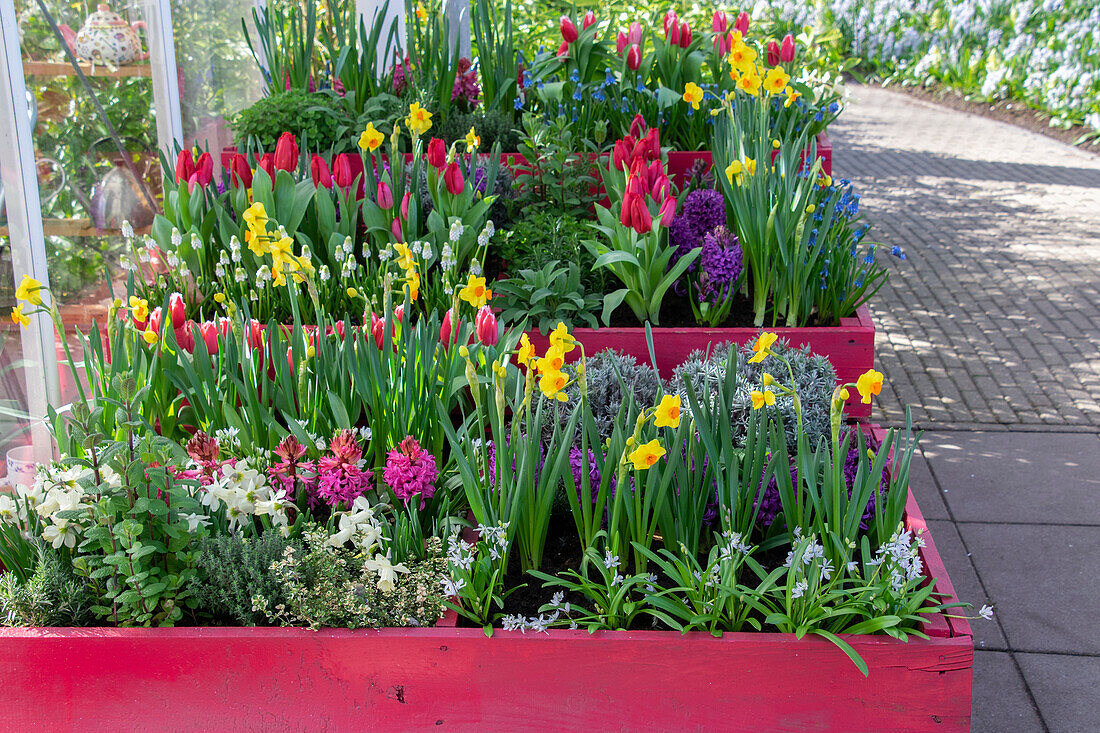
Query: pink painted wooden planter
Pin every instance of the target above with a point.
(456, 679)
(850, 346)
(680, 162)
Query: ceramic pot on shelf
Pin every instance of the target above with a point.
(106, 37)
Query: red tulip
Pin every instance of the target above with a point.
(637, 126)
(563, 49)
(721, 44)
(377, 329)
(635, 214)
(672, 33)
(636, 185)
(405, 206)
(209, 333)
(239, 172)
(385, 196)
(399, 313)
(175, 308)
(742, 23)
(621, 43)
(396, 229)
(223, 327)
(589, 18)
(634, 57)
(341, 171)
(267, 164)
(656, 170)
(155, 317)
(668, 211)
(653, 141)
(255, 334)
(290, 359)
(453, 179)
(185, 166)
(448, 332)
(318, 169)
(339, 328)
(670, 20)
(685, 35)
(185, 336)
(786, 51)
(485, 323)
(204, 170)
(661, 188)
(620, 156)
(568, 30)
(773, 53)
(634, 36)
(719, 22)
(437, 153)
(286, 152)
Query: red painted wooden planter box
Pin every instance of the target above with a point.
(453, 679)
(850, 346)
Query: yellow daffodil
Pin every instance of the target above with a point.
(526, 351)
(353, 293)
(475, 293)
(868, 384)
(29, 290)
(552, 362)
(150, 336)
(733, 172)
(421, 12)
(255, 217)
(282, 254)
(741, 54)
(761, 347)
(139, 308)
(792, 97)
(693, 94)
(219, 298)
(17, 316)
(749, 83)
(759, 399)
(667, 414)
(552, 383)
(404, 256)
(561, 338)
(767, 380)
(776, 80)
(419, 120)
(810, 209)
(473, 141)
(412, 280)
(844, 393)
(644, 456)
(776, 144)
(371, 138)
(750, 166)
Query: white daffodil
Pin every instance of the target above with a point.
(194, 521)
(9, 510)
(60, 533)
(387, 571)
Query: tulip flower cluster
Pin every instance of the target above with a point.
(194, 172)
(646, 180)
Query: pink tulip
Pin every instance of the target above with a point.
(185, 336)
(175, 308)
(341, 171)
(634, 57)
(668, 211)
(742, 23)
(634, 36)
(637, 126)
(621, 43)
(568, 30)
(773, 53)
(405, 206)
(448, 331)
(635, 214)
(385, 196)
(662, 187)
(786, 51)
(485, 323)
(396, 229)
(563, 49)
(673, 33)
(670, 21)
(685, 35)
(719, 22)
(209, 333)
(589, 18)
(636, 185)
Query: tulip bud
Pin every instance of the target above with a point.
(673, 33)
(204, 170)
(286, 152)
(636, 185)
(655, 171)
(652, 141)
(668, 211)
(589, 18)
(719, 22)
(635, 214)
(385, 196)
(175, 308)
(185, 336)
(452, 177)
(670, 20)
(786, 51)
(685, 35)
(223, 327)
(341, 171)
(563, 49)
(185, 166)
(773, 53)
(485, 323)
(399, 313)
(378, 330)
(568, 30)
(634, 36)
(239, 172)
(267, 164)
(318, 170)
(637, 126)
(155, 318)
(620, 155)
(255, 335)
(662, 187)
(396, 229)
(634, 57)
(742, 23)
(721, 45)
(405, 206)
(437, 153)
(448, 331)
(621, 43)
(209, 333)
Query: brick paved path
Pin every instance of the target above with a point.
(995, 316)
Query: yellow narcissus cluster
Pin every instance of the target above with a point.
(748, 76)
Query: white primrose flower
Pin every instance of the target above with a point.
(194, 521)
(387, 571)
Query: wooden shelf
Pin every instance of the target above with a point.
(75, 228)
(63, 68)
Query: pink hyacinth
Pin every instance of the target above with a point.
(339, 475)
(291, 472)
(411, 470)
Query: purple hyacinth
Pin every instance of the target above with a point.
(576, 465)
(719, 266)
(703, 210)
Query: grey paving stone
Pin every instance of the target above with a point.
(1042, 581)
(987, 634)
(1065, 690)
(924, 488)
(1017, 476)
(1000, 701)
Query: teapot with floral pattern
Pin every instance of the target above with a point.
(106, 38)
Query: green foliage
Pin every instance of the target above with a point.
(52, 596)
(541, 237)
(231, 569)
(607, 373)
(560, 175)
(547, 297)
(491, 126)
(814, 379)
(325, 586)
(315, 118)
